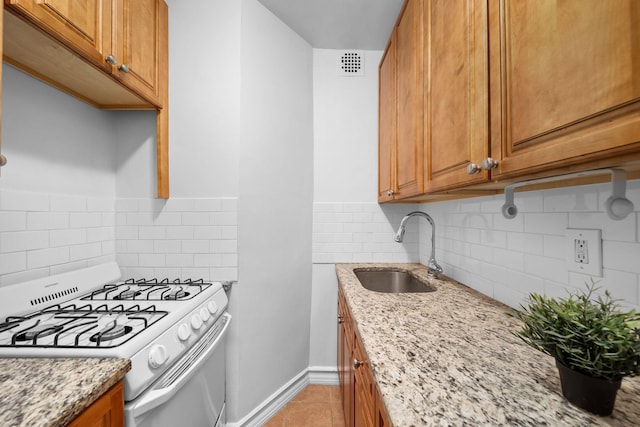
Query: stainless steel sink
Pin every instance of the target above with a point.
(391, 281)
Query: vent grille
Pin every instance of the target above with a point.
(352, 63)
(54, 296)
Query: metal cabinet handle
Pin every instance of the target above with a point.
(124, 68)
(357, 363)
(111, 60)
(390, 193)
(340, 319)
(489, 163)
(3, 160)
(472, 169)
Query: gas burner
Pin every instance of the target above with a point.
(176, 294)
(38, 331)
(127, 294)
(110, 332)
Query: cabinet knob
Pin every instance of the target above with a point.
(489, 163)
(340, 319)
(3, 160)
(124, 68)
(390, 193)
(111, 60)
(472, 169)
(357, 363)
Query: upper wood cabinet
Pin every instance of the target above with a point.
(138, 43)
(121, 37)
(565, 84)
(83, 25)
(512, 90)
(2, 157)
(456, 119)
(387, 122)
(401, 103)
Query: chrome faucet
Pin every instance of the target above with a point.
(433, 268)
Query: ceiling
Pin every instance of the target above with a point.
(339, 24)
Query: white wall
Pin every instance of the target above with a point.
(57, 189)
(271, 302)
(348, 223)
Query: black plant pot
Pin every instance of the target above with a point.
(596, 395)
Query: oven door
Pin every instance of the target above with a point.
(192, 392)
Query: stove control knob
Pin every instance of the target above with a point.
(184, 332)
(157, 356)
(212, 307)
(196, 321)
(204, 313)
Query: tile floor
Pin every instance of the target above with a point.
(314, 406)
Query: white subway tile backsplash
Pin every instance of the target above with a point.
(13, 262)
(542, 223)
(45, 233)
(23, 241)
(527, 243)
(81, 252)
(208, 205)
(160, 246)
(67, 237)
(179, 260)
(197, 246)
(150, 232)
(224, 218)
(23, 201)
(623, 230)
(13, 221)
(47, 257)
(621, 256)
(179, 238)
(65, 203)
(555, 246)
(47, 220)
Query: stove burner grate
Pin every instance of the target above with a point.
(110, 333)
(38, 331)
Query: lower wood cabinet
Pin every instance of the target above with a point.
(107, 411)
(362, 404)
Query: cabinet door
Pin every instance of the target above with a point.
(456, 92)
(565, 85)
(107, 411)
(84, 26)
(409, 148)
(140, 39)
(364, 398)
(387, 122)
(345, 361)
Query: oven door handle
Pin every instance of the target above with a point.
(156, 397)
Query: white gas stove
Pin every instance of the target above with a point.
(163, 326)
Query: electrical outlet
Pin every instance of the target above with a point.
(584, 251)
(581, 251)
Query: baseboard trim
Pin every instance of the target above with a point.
(323, 375)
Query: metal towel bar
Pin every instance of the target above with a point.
(617, 205)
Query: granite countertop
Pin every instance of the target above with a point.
(449, 358)
(39, 392)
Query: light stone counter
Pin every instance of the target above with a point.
(42, 392)
(449, 358)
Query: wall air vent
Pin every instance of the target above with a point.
(54, 296)
(351, 63)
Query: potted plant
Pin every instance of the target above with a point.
(594, 343)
